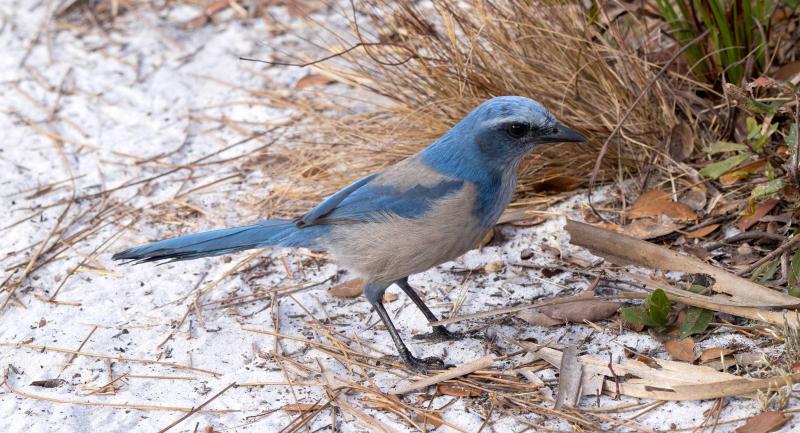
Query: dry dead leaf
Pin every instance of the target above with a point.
(592, 310)
(311, 80)
(788, 71)
(764, 422)
(347, 289)
(570, 372)
(681, 350)
(762, 209)
(714, 354)
(647, 228)
(742, 172)
(656, 203)
(300, 407)
(702, 231)
(457, 390)
(681, 142)
(695, 196)
(389, 297)
(537, 318)
(558, 184)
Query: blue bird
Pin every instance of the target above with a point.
(425, 210)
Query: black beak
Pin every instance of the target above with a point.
(562, 134)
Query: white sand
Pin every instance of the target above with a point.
(141, 91)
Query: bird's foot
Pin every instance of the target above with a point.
(440, 333)
(423, 365)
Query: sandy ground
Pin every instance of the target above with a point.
(141, 90)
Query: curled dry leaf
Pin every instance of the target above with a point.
(742, 172)
(764, 422)
(537, 318)
(592, 310)
(714, 354)
(681, 142)
(702, 231)
(681, 350)
(457, 390)
(761, 210)
(558, 184)
(347, 289)
(656, 203)
(311, 80)
(647, 228)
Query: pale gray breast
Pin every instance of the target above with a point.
(396, 247)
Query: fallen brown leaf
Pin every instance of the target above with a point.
(537, 318)
(389, 297)
(761, 210)
(457, 390)
(647, 228)
(592, 310)
(681, 143)
(702, 231)
(681, 350)
(742, 172)
(788, 71)
(764, 422)
(558, 184)
(714, 353)
(656, 203)
(347, 289)
(311, 80)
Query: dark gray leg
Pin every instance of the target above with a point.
(374, 294)
(439, 331)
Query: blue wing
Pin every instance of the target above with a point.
(373, 199)
(330, 203)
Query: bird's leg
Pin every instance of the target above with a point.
(439, 331)
(412, 362)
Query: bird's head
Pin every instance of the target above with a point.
(509, 127)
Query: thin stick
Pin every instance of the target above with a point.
(465, 369)
(112, 357)
(197, 409)
(72, 357)
(769, 257)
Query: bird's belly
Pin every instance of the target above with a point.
(395, 247)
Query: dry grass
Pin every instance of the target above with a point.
(423, 70)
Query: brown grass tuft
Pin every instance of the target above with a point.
(420, 71)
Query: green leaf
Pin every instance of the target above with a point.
(794, 274)
(767, 188)
(753, 128)
(696, 322)
(634, 315)
(726, 146)
(658, 307)
(696, 288)
(766, 271)
(717, 169)
(791, 139)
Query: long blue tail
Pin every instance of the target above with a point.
(267, 233)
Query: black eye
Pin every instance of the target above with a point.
(517, 130)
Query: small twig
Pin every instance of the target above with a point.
(197, 409)
(465, 369)
(334, 55)
(769, 257)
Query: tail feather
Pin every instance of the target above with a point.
(216, 242)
